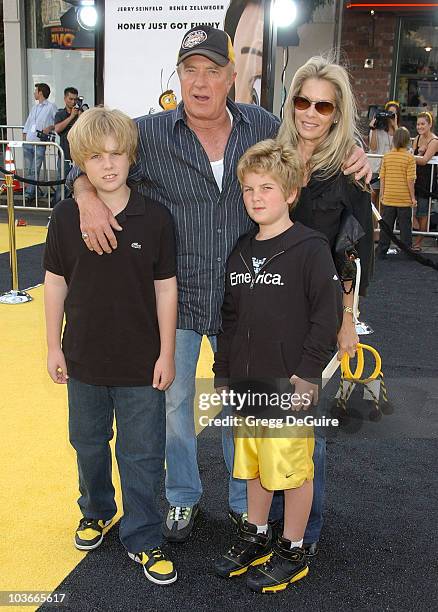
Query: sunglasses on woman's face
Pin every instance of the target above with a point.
(323, 107)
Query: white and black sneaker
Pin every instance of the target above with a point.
(179, 523)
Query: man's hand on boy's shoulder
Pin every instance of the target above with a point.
(307, 391)
(56, 366)
(97, 223)
(164, 372)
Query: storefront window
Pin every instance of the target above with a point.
(417, 82)
(60, 52)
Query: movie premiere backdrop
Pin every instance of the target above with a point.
(142, 39)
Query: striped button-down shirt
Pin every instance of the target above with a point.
(173, 168)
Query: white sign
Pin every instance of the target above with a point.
(142, 40)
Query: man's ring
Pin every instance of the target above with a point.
(84, 235)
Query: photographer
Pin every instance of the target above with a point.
(382, 128)
(41, 119)
(64, 120)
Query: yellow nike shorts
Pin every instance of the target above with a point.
(280, 463)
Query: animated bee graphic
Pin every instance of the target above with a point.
(167, 99)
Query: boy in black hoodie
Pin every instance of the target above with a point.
(281, 313)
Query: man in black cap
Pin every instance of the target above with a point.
(187, 160)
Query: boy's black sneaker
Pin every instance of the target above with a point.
(156, 566)
(285, 566)
(89, 534)
(250, 549)
(277, 528)
(237, 517)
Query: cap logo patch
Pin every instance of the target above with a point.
(193, 39)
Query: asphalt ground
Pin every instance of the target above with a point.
(29, 265)
(378, 546)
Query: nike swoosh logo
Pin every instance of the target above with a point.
(289, 475)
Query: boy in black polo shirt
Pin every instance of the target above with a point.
(117, 353)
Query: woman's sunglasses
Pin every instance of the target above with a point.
(322, 107)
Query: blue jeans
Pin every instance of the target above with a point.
(140, 446)
(316, 518)
(33, 160)
(183, 484)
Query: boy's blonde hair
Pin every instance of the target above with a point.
(401, 138)
(93, 126)
(280, 161)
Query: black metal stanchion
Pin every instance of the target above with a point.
(15, 296)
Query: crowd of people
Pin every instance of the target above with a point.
(213, 220)
(403, 182)
(43, 122)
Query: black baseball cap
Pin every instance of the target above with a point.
(214, 44)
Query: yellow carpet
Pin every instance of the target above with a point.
(24, 236)
(38, 510)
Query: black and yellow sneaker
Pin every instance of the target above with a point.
(286, 565)
(89, 534)
(251, 548)
(156, 566)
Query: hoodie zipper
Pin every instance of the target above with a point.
(254, 279)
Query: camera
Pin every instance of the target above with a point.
(46, 137)
(382, 117)
(80, 104)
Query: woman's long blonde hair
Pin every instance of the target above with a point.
(328, 156)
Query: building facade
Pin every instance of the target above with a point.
(390, 48)
(44, 43)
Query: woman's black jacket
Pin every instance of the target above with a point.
(337, 207)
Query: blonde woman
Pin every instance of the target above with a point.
(425, 147)
(320, 122)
